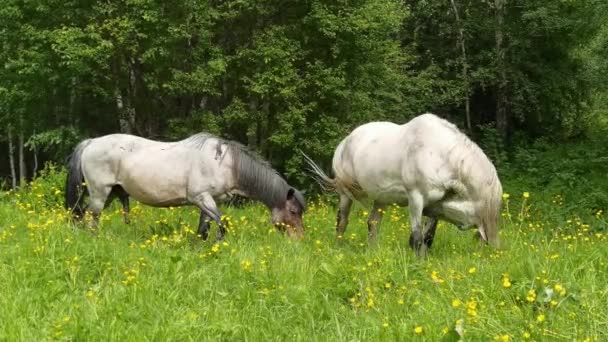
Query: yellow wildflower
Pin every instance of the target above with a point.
(506, 283)
(531, 296)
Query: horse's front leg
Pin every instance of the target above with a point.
(431, 225)
(209, 208)
(203, 225)
(375, 217)
(416, 205)
(429, 231)
(343, 213)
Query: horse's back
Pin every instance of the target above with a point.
(102, 156)
(361, 161)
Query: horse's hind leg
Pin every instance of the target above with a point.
(123, 197)
(343, 212)
(97, 199)
(416, 205)
(375, 217)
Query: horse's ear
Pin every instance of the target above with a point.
(290, 194)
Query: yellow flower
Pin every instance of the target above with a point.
(506, 283)
(540, 318)
(527, 335)
(472, 270)
(456, 303)
(385, 324)
(418, 330)
(505, 196)
(526, 194)
(246, 265)
(503, 338)
(531, 296)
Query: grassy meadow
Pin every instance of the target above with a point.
(155, 280)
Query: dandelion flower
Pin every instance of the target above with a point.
(540, 318)
(526, 194)
(418, 330)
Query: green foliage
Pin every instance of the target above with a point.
(574, 172)
(58, 142)
(278, 77)
(493, 146)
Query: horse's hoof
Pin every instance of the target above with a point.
(428, 241)
(415, 240)
(421, 252)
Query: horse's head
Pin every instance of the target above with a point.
(287, 215)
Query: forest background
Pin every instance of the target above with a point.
(525, 79)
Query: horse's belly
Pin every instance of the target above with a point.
(154, 182)
(156, 194)
(385, 192)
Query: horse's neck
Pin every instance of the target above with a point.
(267, 187)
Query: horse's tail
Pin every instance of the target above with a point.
(491, 211)
(74, 188)
(327, 183)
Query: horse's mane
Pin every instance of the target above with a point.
(254, 175)
(480, 171)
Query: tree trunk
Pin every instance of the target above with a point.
(11, 158)
(35, 168)
(465, 66)
(265, 130)
(131, 112)
(22, 166)
(125, 126)
(253, 129)
(72, 103)
(501, 89)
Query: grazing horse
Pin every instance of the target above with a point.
(426, 164)
(198, 170)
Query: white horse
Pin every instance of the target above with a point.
(426, 164)
(198, 170)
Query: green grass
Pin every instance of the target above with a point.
(154, 280)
